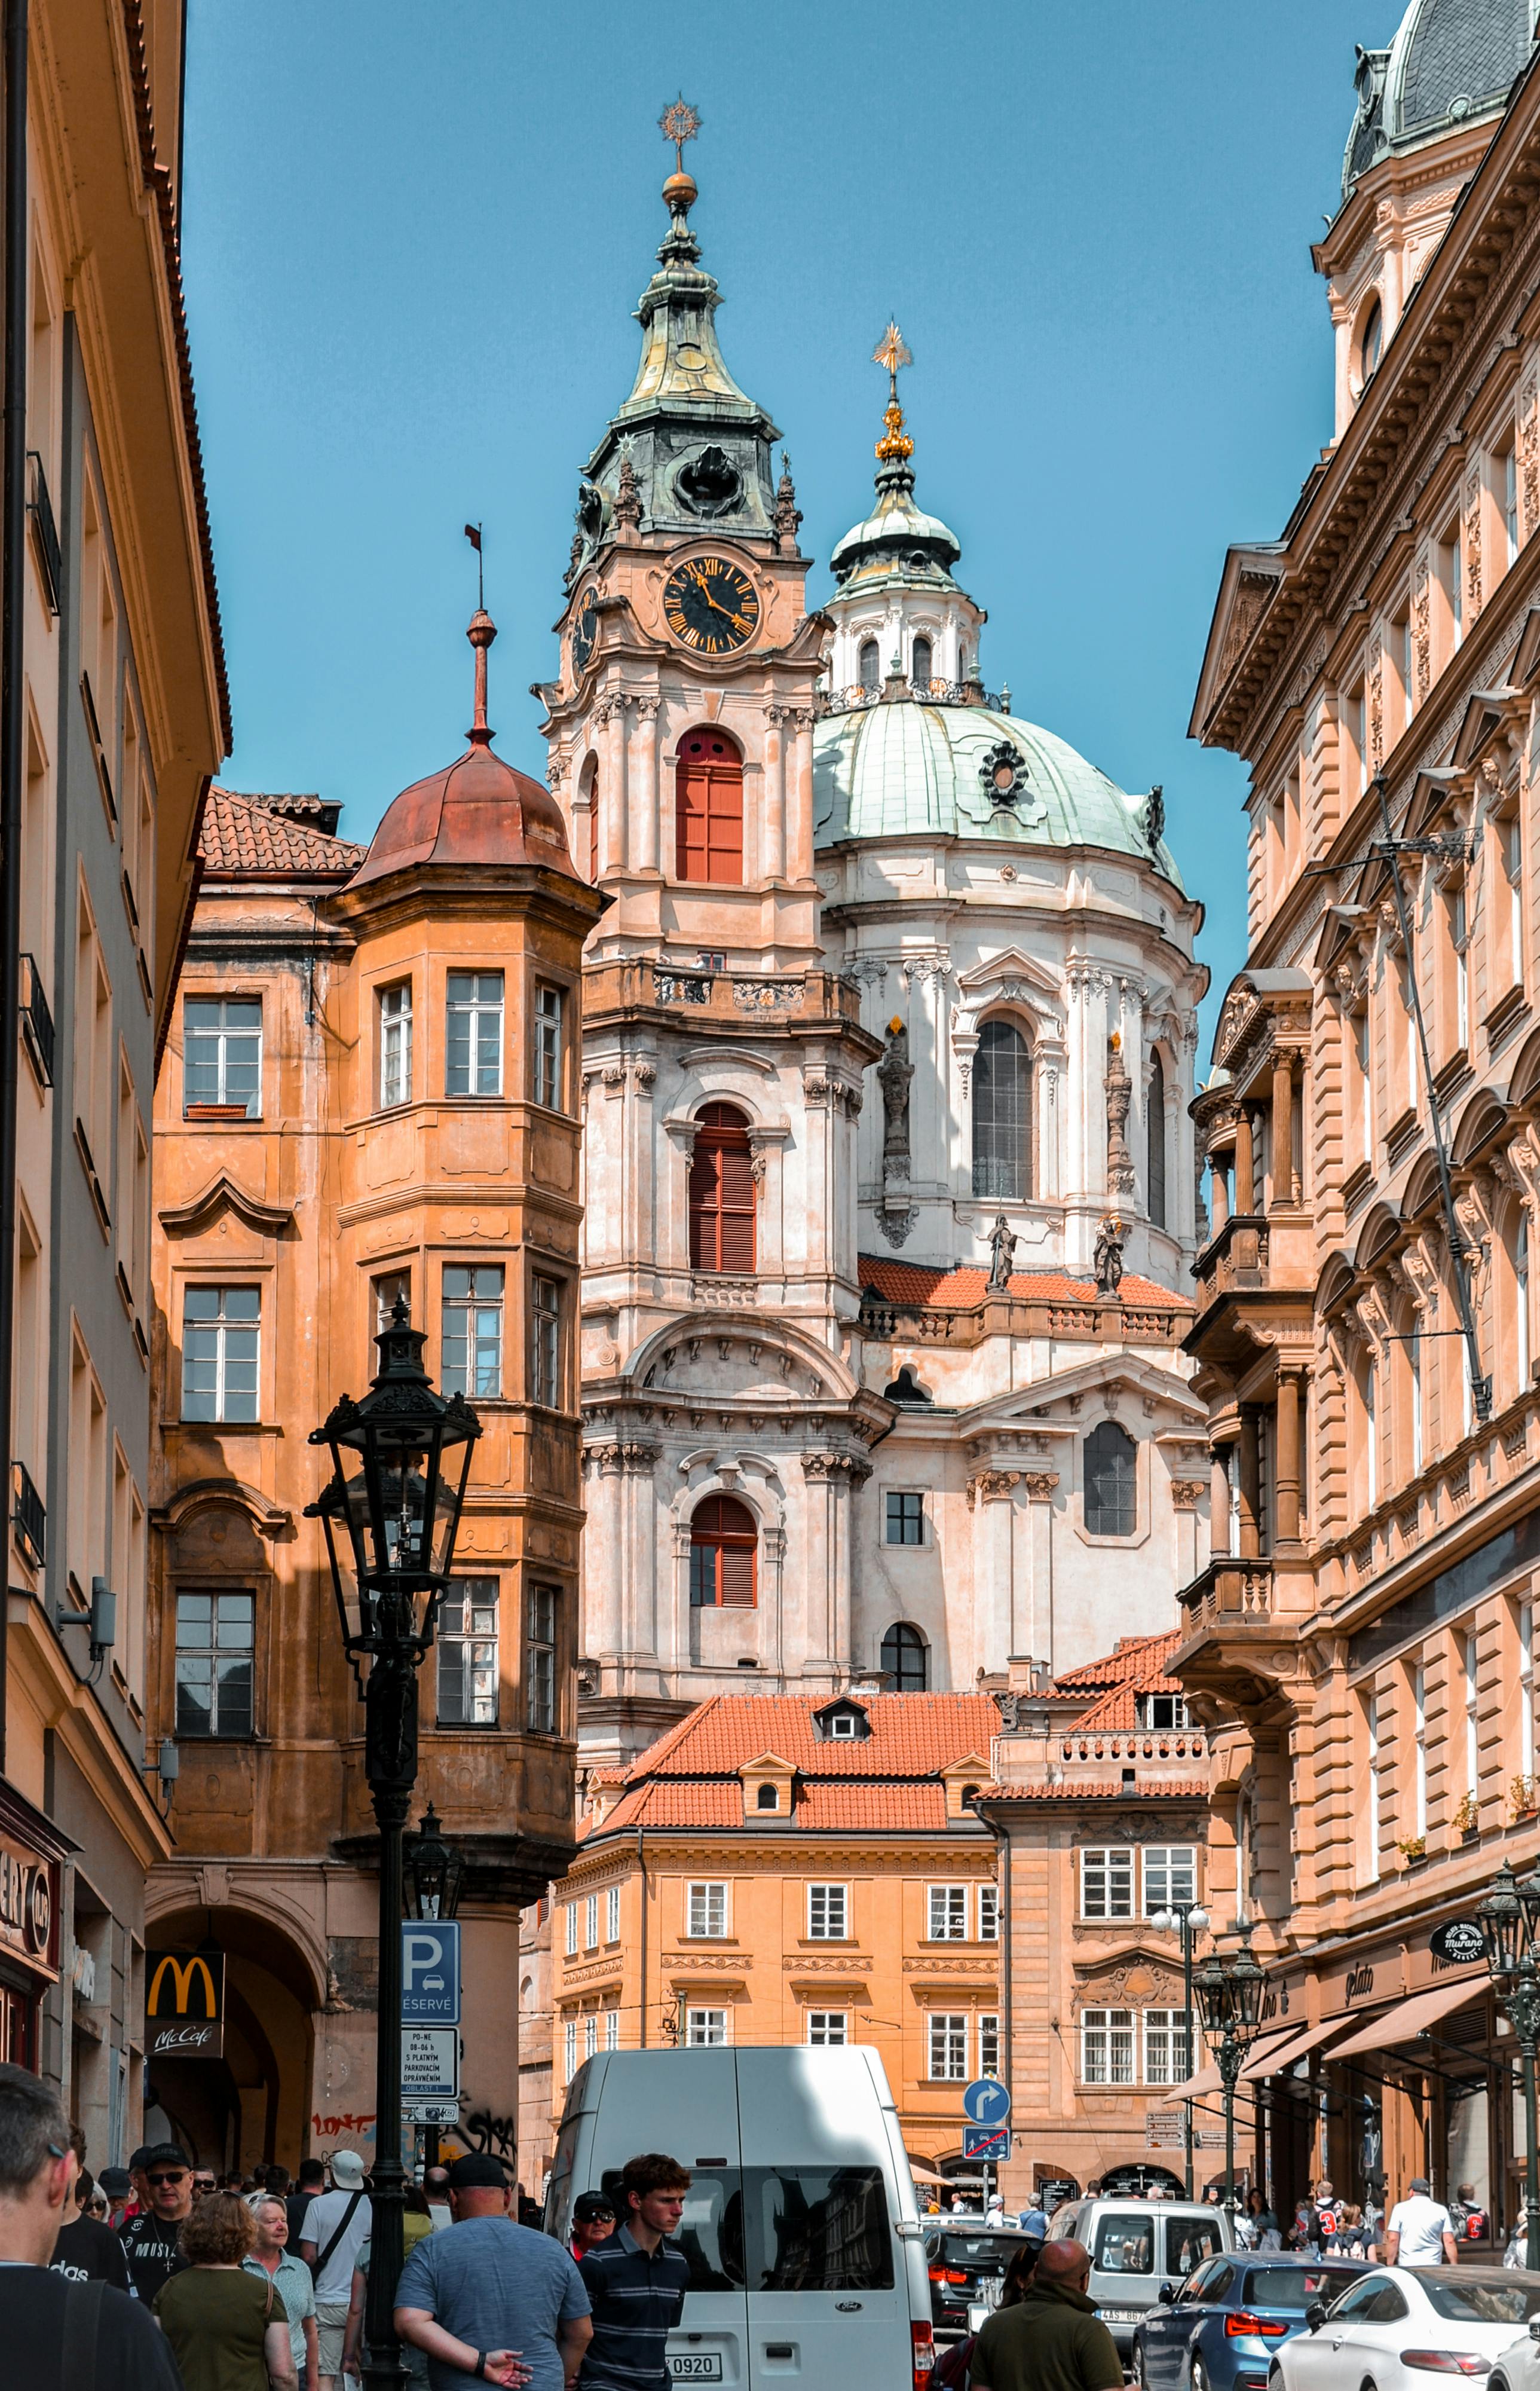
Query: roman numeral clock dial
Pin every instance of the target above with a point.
(711, 605)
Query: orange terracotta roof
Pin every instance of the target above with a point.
(873, 1809)
(245, 836)
(912, 1735)
(940, 1289)
(1137, 1666)
(1099, 1789)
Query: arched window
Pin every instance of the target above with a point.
(724, 1549)
(1002, 1113)
(1371, 339)
(722, 1192)
(1111, 1505)
(869, 668)
(590, 789)
(905, 1661)
(921, 668)
(1155, 1126)
(708, 809)
(767, 1798)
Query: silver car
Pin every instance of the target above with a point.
(1135, 2246)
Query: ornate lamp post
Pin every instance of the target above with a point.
(1509, 1916)
(401, 1459)
(1189, 1919)
(435, 1873)
(1229, 1994)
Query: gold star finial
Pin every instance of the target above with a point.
(679, 122)
(890, 354)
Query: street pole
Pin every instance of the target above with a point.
(1230, 2056)
(1521, 2000)
(1187, 2028)
(390, 1766)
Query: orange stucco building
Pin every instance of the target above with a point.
(369, 1093)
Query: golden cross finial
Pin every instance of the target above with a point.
(891, 354)
(679, 122)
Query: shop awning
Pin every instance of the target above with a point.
(1208, 2079)
(1408, 2019)
(1283, 2054)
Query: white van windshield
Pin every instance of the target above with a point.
(787, 2228)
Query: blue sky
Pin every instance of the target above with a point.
(414, 237)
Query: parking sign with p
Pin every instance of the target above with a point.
(429, 1971)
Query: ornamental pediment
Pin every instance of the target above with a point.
(225, 1194)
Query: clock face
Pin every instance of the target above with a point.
(585, 631)
(711, 605)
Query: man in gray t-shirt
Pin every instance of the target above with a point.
(488, 2291)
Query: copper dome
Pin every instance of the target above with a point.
(478, 812)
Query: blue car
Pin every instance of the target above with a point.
(1219, 2330)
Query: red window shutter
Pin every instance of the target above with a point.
(736, 1208)
(722, 1193)
(705, 1207)
(708, 810)
(726, 1541)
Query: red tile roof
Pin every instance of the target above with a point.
(246, 835)
(940, 1289)
(887, 1782)
(1137, 1666)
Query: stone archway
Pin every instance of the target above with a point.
(251, 2106)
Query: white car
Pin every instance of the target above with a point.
(1395, 2327)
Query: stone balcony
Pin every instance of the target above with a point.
(1240, 1618)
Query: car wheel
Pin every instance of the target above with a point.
(1140, 2377)
(1197, 2376)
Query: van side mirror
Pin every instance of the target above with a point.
(1315, 2316)
(1166, 2293)
(1534, 2328)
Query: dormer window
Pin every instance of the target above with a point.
(1163, 1710)
(767, 1798)
(842, 1721)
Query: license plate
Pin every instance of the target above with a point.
(1119, 2316)
(704, 2366)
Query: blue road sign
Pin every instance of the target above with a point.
(986, 2102)
(429, 1971)
(986, 2143)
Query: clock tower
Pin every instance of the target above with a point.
(723, 1065)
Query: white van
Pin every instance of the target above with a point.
(808, 2262)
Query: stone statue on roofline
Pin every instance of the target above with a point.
(1002, 1252)
(1108, 1256)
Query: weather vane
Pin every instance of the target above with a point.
(679, 122)
(890, 352)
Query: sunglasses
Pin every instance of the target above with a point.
(173, 2175)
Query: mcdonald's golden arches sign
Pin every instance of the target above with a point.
(184, 2004)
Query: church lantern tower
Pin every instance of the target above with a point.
(726, 1426)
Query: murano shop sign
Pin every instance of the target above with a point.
(184, 2004)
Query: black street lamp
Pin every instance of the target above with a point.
(1509, 1916)
(401, 1459)
(1189, 1919)
(1229, 1993)
(435, 1873)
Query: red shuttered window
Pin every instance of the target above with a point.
(724, 1547)
(708, 808)
(722, 1192)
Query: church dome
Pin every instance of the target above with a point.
(896, 535)
(478, 811)
(907, 769)
(1451, 60)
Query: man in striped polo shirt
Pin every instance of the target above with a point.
(637, 2281)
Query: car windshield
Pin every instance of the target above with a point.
(990, 2253)
(1467, 2299)
(1295, 2288)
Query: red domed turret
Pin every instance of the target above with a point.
(478, 811)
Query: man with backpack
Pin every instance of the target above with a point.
(59, 2336)
(336, 2226)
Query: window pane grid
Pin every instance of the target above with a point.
(1165, 2046)
(948, 1913)
(545, 1342)
(1107, 1883)
(472, 1338)
(1170, 1877)
(395, 1045)
(948, 2047)
(826, 1913)
(215, 1633)
(905, 1518)
(221, 1330)
(547, 1048)
(473, 1034)
(467, 1653)
(1107, 2046)
(540, 1659)
(221, 1061)
(828, 2029)
(705, 2029)
(1002, 1114)
(707, 1911)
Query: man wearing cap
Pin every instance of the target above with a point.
(336, 2226)
(1420, 2231)
(152, 2241)
(592, 2222)
(488, 2301)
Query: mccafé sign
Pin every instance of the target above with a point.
(26, 1905)
(184, 2004)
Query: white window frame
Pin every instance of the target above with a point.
(826, 1905)
(1170, 2026)
(540, 1703)
(479, 1315)
(571, 1910)
(612, 1914)
(546, 1340)
(591, 2034)
(474, 1640)
(395, 1023)
(473, 1009)
(708, 2029)
(828, 2029)
(1165, 1860)
(591, 1922)
(550, 1023)
(988, 2025)
(218, 1331)
(220, 1034)
(570, 2027)
(706, 1898)
(989, 1913)
(1108, 2036)
(946, 2046)
(947, 1913)
(611, 2029)
(1113, 1864)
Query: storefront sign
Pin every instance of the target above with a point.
(26, 1905)
(1359, 1985)
(1459, 1944)
(184, 2004)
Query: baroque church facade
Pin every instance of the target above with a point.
(889, 1026)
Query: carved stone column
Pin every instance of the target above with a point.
(645, 744)
(1220, 1207)
(772, 838)
(1283, 1129)
(1285, 1497)
(1219, 1498)
(1251, 1530)
(1245, 1184)
(832, 1479)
